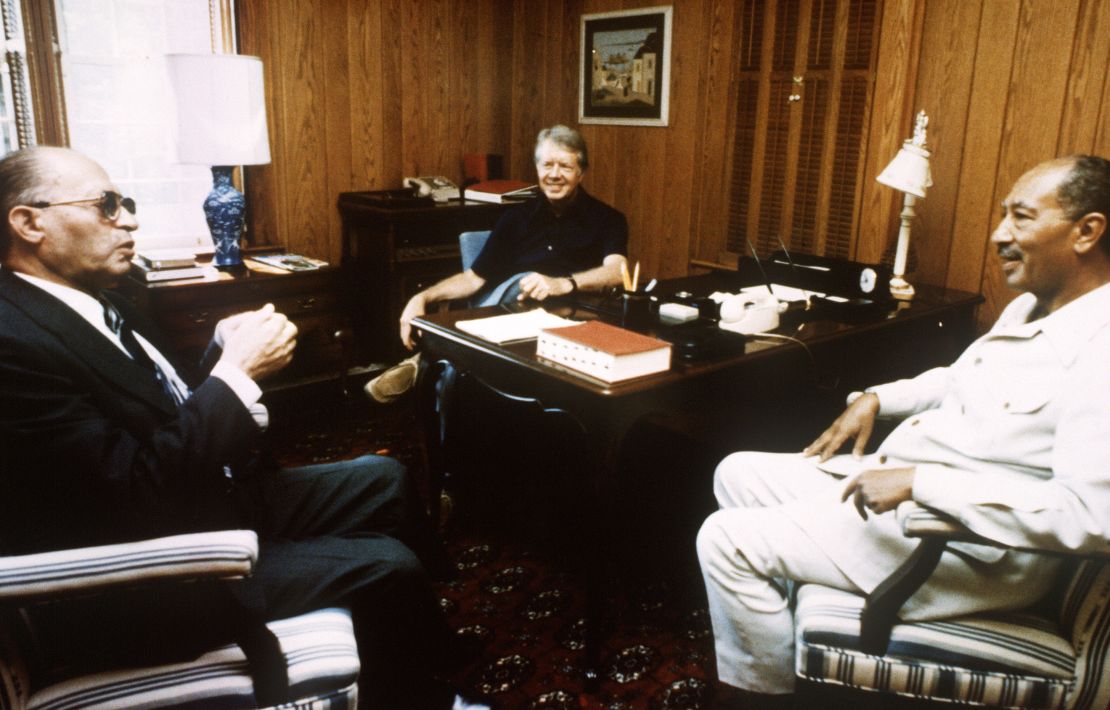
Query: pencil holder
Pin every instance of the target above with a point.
(635, 310)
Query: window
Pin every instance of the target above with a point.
(15, 105)
(805, 77)
(118, 108)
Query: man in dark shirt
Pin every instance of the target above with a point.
(553, 245)
(564, 240)
(535, 238)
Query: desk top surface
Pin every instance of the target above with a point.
(725, 349)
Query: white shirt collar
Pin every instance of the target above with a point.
(1067, 328)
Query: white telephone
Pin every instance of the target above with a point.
(750, 313)
(437, 187)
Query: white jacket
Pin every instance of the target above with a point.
(1013, 439)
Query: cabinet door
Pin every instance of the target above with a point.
(804, 83)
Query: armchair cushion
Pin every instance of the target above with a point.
(319, 648)
(1052, 656)
(226, 553)
(1009, 660)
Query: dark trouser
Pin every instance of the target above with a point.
(331, 534)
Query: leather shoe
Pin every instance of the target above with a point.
(395, 381)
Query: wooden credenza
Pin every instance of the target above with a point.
(187, 312)
(394, 248)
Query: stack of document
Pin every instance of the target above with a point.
(513, 326)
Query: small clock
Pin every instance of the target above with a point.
(867, 280)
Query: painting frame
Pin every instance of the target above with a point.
(625, 67)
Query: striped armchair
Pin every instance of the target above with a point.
(310, 660)
(1057, 656)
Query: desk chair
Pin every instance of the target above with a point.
(470, 246)
(1056, 655)
(311, 659)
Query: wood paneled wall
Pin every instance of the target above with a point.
(363, 92)
(1008, 84)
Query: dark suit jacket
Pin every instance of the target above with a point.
(92, 450)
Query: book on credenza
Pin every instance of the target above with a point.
(289, 262)
(166, 258)
(604, 351)
(502, 191)
(144, 273)
(525, 325)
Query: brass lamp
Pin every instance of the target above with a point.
(908, 172)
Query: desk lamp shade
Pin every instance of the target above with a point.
(908, 173)
(221, 122)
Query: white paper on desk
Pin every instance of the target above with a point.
(790, 293)
(783, 293)
(513, 326)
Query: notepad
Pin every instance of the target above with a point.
(513, 326)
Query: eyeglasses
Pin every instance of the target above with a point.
(109, 204)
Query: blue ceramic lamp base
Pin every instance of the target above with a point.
(225, 208)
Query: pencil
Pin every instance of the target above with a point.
(635, 277)
(624, 276)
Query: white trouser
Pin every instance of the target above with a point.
(747, 549)
(781, 518)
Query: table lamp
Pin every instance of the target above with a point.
(221, 122)
(908, 172)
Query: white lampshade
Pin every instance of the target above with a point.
(909, 171)
(221, 109)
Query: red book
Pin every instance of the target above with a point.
(604, 351)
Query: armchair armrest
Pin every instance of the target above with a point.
(936, 530)
(919, 521)
(226, 554)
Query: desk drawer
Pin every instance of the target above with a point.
(205, 316)
(319, 344)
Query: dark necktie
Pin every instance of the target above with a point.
(114, 320)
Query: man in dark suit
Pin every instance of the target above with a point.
(103, 439)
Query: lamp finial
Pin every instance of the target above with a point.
(919, 129)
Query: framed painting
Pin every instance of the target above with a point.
(625, 67)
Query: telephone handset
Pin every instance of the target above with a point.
(437, 187)
(750, 313)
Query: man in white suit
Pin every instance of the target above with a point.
(1010, 439)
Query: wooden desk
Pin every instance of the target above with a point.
(392, 252)
(838, 357)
